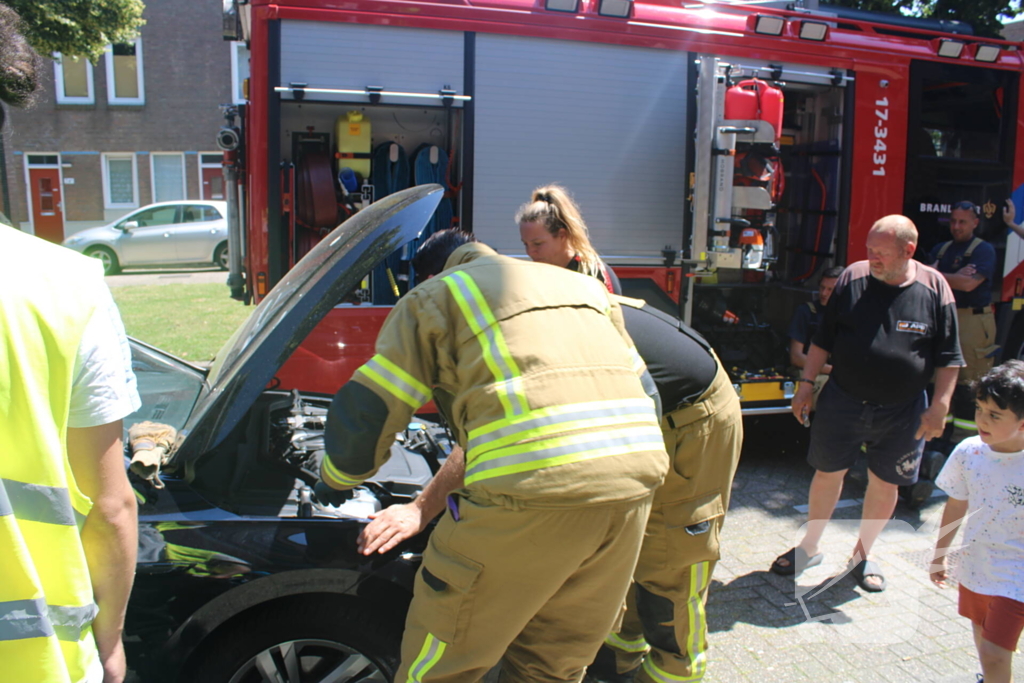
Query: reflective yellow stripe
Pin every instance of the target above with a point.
(965, 424)
(395, 381)
(659, 674)
(695, 649)
(563, 418)
(638, 645)
(496, 355)
(638, 363)
(430, 654)
(535, 455)
(329, 472)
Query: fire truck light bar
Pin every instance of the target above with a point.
(768, 25)
(615, 8)
(950, 48)
(987, 53)
(813, 30)
(562, 5)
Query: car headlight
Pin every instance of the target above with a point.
(73, 240)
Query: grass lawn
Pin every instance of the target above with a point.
(189, 321)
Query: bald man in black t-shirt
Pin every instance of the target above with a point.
(890, 325)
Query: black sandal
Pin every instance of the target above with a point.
(864, 569)
(796, 557)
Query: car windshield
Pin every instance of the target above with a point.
(168, 388)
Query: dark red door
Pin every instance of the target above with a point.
(47, 211)
(213, 183)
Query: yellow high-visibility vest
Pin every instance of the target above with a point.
(46, 598)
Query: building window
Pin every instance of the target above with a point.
(120, 181)
(168, 176)
(124, 74)
(73, 79)
(239, 71)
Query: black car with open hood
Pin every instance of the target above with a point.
(242, 574)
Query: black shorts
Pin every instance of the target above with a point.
(845, 427)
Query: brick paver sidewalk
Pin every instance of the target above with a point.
(766, 628)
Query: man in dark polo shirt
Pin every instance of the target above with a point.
(968, 263)
(889, 327)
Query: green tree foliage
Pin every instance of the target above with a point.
(984, 15)
(78, 28)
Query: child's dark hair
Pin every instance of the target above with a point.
(1004, 386)
(434, 252)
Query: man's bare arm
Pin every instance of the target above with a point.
(398, 523)
(109, 536)
(933, 420)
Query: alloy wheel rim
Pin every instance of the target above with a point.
(309, 660)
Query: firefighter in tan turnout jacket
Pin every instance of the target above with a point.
(563, 451)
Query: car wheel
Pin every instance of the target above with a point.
(107, 258)
(220, 256)
(301, 640)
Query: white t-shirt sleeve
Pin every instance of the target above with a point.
(104, 388)
(951, 479)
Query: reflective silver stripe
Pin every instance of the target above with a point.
(5, 503)
(397, 381)
(37, 503)
(20, 619)
(432, 651)
(590, 412)
(652, 439)
(507, 376)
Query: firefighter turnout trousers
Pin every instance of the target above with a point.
(664, 630)
(977, 342)
(536, 588)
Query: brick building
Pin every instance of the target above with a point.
(135, 128)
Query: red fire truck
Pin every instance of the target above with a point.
(723, 154)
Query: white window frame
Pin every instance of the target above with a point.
(58, 81)
(237, 92)
(152, 175)
(107, 203)
(111, 91)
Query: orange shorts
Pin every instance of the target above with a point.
(1001, 619)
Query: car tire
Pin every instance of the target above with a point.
(220, 256)
(322, 639)
(107, 257)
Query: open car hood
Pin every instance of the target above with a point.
(328, 273)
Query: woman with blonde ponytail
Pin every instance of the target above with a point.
(552, 230)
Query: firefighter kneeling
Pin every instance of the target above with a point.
(563, 451)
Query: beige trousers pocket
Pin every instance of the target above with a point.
(445, 584)
(693, 527)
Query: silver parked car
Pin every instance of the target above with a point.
(189, 232)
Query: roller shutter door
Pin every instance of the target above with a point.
(607, 122)
(353, 56)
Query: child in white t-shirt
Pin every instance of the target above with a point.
(984, 478)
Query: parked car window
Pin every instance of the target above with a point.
(159, 215)
(197, 213)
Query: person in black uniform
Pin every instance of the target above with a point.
(968, 264)
(804, 325)
(664, 632)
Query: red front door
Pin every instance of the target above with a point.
(47, 211)
(213, 183)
